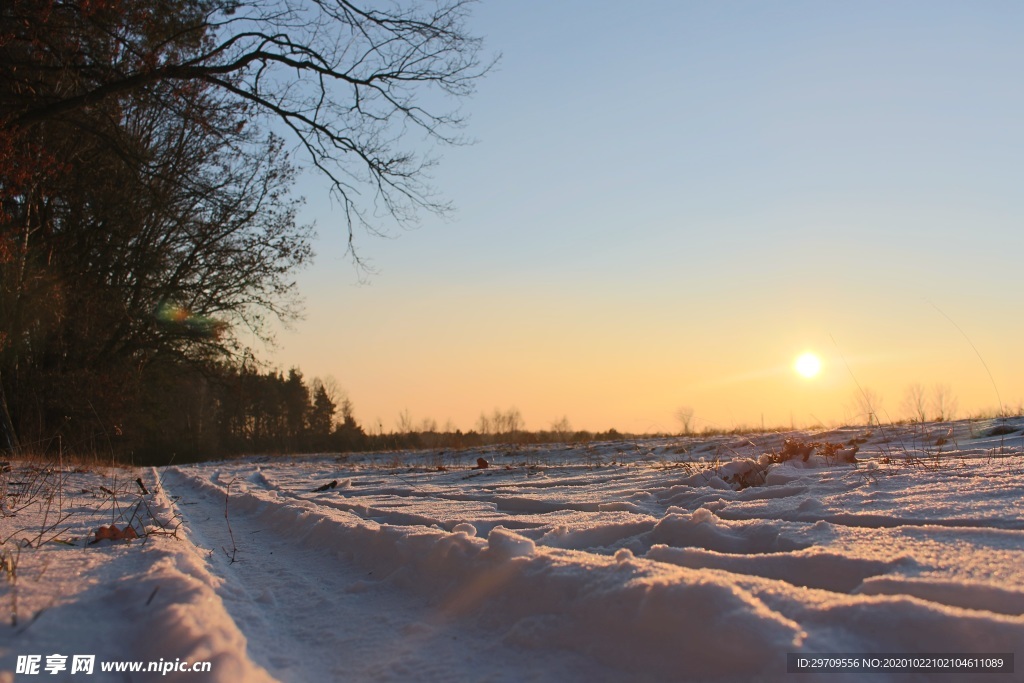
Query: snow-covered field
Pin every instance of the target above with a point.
(678, 559)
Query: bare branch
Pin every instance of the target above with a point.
(347, 81)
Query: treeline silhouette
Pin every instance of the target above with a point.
(177, 412)
(458, 439)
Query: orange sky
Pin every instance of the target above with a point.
(672, 223)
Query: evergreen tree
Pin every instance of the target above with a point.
(321, 419)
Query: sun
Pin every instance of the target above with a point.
(807, 365)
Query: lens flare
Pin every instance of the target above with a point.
(182, 320)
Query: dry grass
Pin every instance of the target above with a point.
(54, 499)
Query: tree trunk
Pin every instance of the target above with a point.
(8, 438)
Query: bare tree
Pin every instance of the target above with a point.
(405, 423)
(331, 387)
(513, 420)
(684, 415)
(915, 403)
(868, 403)
(562, 428)
(347, 410)
(483, 424)
(944, 404)
(498, 422)
(338, 396)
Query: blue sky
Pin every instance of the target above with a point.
(668, 201)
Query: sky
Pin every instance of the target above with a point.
(668, 202)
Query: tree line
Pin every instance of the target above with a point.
(233, 410)
(239, 410)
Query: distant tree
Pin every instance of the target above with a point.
(915, 403)
(498, 423)
(405, 422)
(335, 396)
(484, 424)
(321, 416)
(684, 415)
(346, 409)
(502, 421)
(348, 435)
(513, 420)
(271, 411)
(330, 385)
(944, 403)
(868, 403)
(562, 428)
(297, 404)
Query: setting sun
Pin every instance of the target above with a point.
(807, 365)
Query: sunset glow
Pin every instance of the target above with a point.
(816, 200)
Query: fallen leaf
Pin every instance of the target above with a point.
(115, 534)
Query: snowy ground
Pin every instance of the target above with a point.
(682, 559)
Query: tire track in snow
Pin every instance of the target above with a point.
(640, 618)
(750, 550)
(314, 614)
(484, 510)
(539, 613)
(872, 521)
(386, 507)
(735, 549)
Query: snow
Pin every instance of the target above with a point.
(683, 559)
